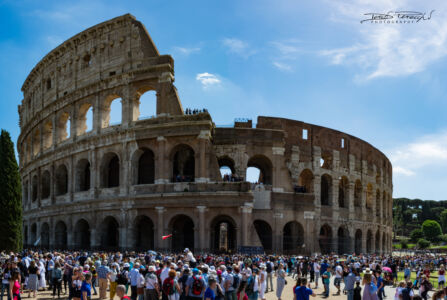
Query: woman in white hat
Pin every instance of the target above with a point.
(263, 281)
(370, 289)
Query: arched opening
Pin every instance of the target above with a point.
(25, 192)
(326, 160)
(182, 228)
(326, 190)
(83, 175)
(33, 234)
(264, 231)
(223, 234)
(305, 182)
(36, 142)
(227, 170)
(61, 180)
(110, 233)
(325, 239)
(63, 127)
(85, 121)
(358, 193)
(343, 192)
(378, 203)
(34, 188)
(343, 240)
(293, 238)
(377, 242)
(45, 185)
(146, 167)
(47, 138)
(60, 235)
(358, 242)
(148, 105)
(82, 234)
(45, 236)
(112, 111)
(369, 196)
(369, 237)
(110, 170)
(144, 233)
(264, 166)
(183, 167)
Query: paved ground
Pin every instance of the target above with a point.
(287, 293)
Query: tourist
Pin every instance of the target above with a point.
(56, 279)
(326, 277)
(86, 287)
(112, 277)
(349, 284)
(76, 282)
(152, 288)
(5, 281)
(280, 280)
(42, 280)
(262, 280)
(425, 287)
(370, 288)
(302, 291)
(14, 285)
(438, 295)
(316, 267)
(209, 293)
(269, 269)
(228, 284)
(170, 286)
(140, 284)
(195, 286)
(338, 277)
(103, 272)
(33, 279)
(357, 291)
(121, 292)
(380, 285)
(133, 276)
(441, 277)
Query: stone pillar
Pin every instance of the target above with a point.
(201, 172)
(351, 190)
(278, 153)
(202, 226)
(73, 122)
(364, 240)
(97, 115)
(123, 237)
(52, 233)
(351, 246)
(335, 205)
(277, 232)
(54, 133)
(161, 171)
(159, 243)
(317, 190)
(246, 218)
(70, 233)
(309, 234)
(94, 242)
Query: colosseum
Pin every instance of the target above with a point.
(125, 185)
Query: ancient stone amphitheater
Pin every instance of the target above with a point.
(126, 185)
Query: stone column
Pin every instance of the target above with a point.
(70, 233)
(202, 225)
(97, 115)
(159, 243)
(317, 190)
(278, 153)
(277, 232)
(246, 218)
(93, 240)
(335, 206)
(52, 233)
(161, 171)
(54, 133)
(201, 174)
(309, 234)
(351, 205)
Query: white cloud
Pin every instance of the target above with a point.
(208, 79)
(389, 50)
(282, 66)
(186, 50)
(238, 47)
(402, 171)
(288, 48)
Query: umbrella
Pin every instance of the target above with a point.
(152, 252)
(386, 269)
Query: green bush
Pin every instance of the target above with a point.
(404, 244)
(431, 230)
(416, 234)
(442, 238)
(423, 243)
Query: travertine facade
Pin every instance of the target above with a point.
(118, 185)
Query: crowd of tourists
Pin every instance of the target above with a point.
(184, 276)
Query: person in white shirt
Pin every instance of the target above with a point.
(317, 272)
(263, 281)
(338, 277)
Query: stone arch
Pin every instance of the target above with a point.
(325, 239)
(293, 237)
(34, 188)
(343, 192)
(226, 167)
(358, 190)
(343, 240)
(33, 234)
(183, 163)
(378, 202)
(107, 110)
(60, 235)
(265, 234)
(45, 236)
(61, 180)
(182, 228)
(264, 165)
(147, 103)
(369, 237)
(144, 163)
(47, 135)
(45, 184)
(109, 233)
(369, 196)
(358, 241)
(306, 181)
(110, 170)
(144, 233)
(36, 142)
(326, 190)
(223, 234)
(82, 234)
(83, 175)
(377, 241)
(85, 110)
(63, 126)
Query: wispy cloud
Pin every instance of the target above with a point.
(239, 47)
(388, 50)
(207, 79)
(186, 50)
(286, 52)
(282, 66)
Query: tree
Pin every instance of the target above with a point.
(431, 230)
(416, 234)
(423, 243)
(443, 218)
(10, 196)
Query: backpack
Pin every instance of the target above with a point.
(121, 278)
(197, 285)
(406, 294)
(269, 267)
(250, 286)
(236, 280)
(168, 286)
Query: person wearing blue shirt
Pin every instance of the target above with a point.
(380, 285)
(349, 284)
(86, 287)
(209, 293)
(323, 269)
(303, 292)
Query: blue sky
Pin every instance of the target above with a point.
(306, 60)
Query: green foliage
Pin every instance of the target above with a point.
(10, 196)
(416, 234)
(404, 244)
(443, 219)
(442, 238)
(423, 243)
(431, 230)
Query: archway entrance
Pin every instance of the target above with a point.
(223, 234)
(264, 231)
(45, 236)
(369, 242)
(183, 167)
(82, 234)
(343, 240)
(60, 235)
(358, 242)
(325, 240)
(293, 237)
(144, 234)
(109, 233)
(182, 228)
